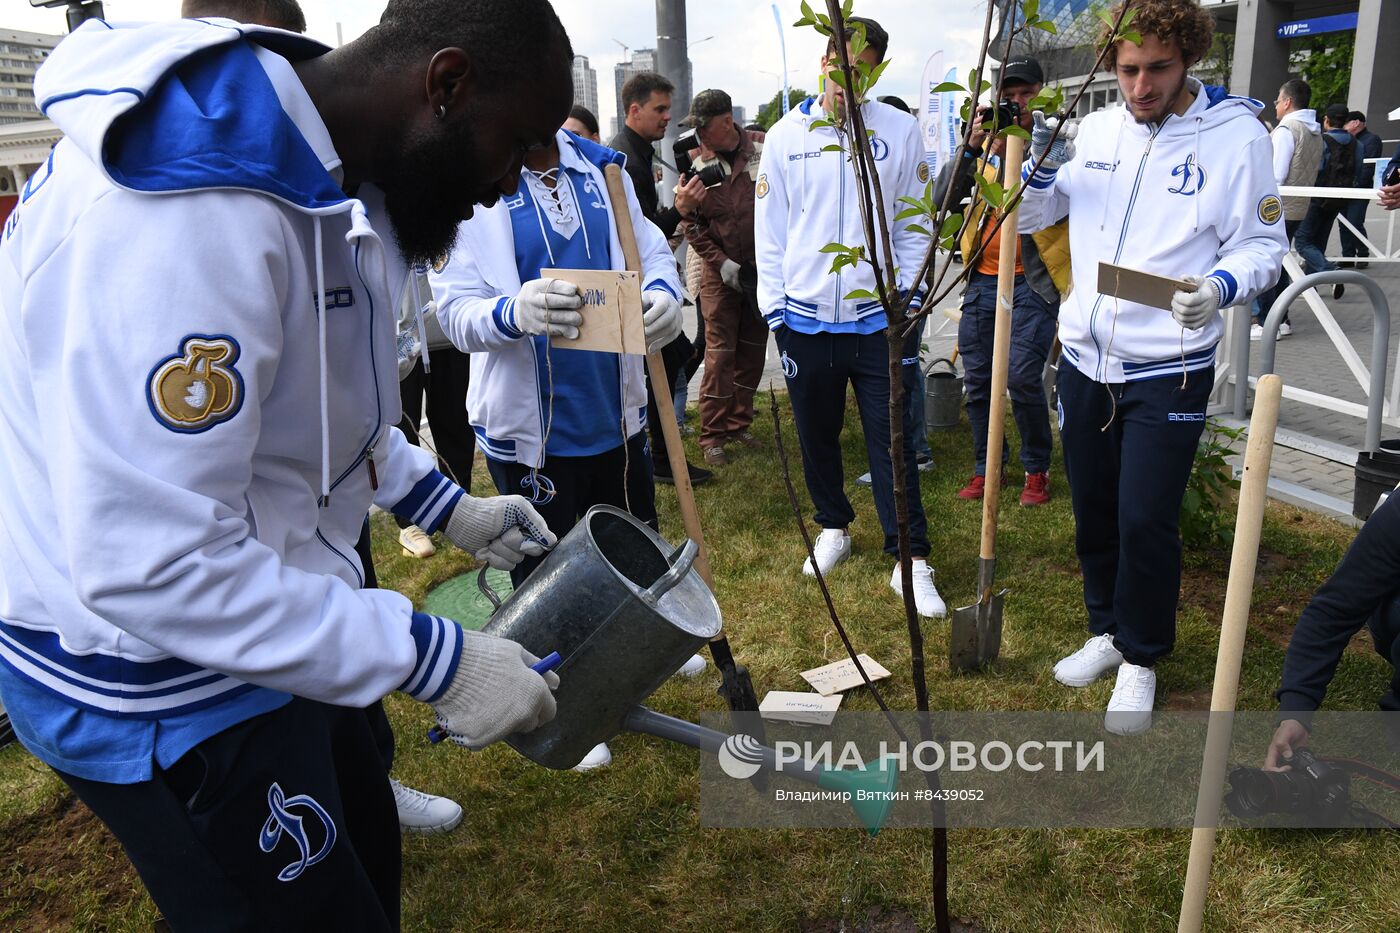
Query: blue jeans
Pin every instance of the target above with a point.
(1032, 333)
(915, 384)
(1311, 238)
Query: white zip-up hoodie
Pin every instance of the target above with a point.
(475, 293)
(807, 198)
(174, 399)
(1194, 195)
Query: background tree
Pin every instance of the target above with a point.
(1325, 63)
(772, 111)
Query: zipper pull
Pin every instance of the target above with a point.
(373, 474)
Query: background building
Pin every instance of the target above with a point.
(585, 84)
(21, 54)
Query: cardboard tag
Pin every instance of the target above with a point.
(811, 709)
(842, 675)
(612, 311)
(1142, 287)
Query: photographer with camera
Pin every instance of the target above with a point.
(1042, 272)
(1364, 590)
(725, 159)
(646, 102)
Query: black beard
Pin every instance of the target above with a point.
(429, 190)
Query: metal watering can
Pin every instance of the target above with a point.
(624, 610)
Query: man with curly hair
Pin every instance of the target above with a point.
(1177, 181)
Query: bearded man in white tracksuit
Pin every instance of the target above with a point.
(806, 198)
(198, 394)
(1177, 181)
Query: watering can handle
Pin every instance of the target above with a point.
(484, 586)
(952, 367)
(681, 560)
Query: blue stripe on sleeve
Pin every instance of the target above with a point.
(429, 502)
(1229, 287)
(439, 645)
(503, 315)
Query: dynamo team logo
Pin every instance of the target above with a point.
(789, 366)
(740, 757)
(284, 822)
(1192, 177)
(539, 489)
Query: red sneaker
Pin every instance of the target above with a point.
(1037, 489)
(974, 489)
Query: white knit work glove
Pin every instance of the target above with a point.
(494, 692)
(501, 530)
(1061, 151)
(729, 274)
(661, 316)
(548, 307)
(1193, 310)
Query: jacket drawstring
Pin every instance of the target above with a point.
(321, 311)
(1196, 160)
(419, 306)
(1107, 200)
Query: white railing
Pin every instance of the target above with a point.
(1391, 251)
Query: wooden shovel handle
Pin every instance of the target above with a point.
(1001, 355)
(660, 387)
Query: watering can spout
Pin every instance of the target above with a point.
(871, 789)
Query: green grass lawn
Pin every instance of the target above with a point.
(621, 849)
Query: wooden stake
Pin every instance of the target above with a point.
(1249, 521)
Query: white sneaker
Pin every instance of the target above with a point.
(416, 542)
(598, 757)
(1256, 332)
(1088, 664)
(926, 599)
(1284, 330)
(1130, 707)
(831, 547)
(692, 668)
(424, 813)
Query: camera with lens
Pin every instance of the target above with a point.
(1313, 789)
(710, 176)
(1008, 113)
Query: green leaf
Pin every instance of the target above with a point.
(951, 225)
(916, 228)
(993, 193)
(878, 70)
(1046, 25)
(1015, 131)
(911, 212)
(912, 202)
(846, 9)
(948, 86)
(861, 293)
(1134, 37)
(835, 248)
(838, 78)
(817, 124)
(833, 148)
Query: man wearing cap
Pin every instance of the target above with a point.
(720, 230)
(1042, 272)
(1369, 146)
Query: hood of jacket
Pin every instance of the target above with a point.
(1308, 118)
(183, 106)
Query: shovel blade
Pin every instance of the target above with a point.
(975, 637)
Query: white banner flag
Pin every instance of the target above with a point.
(931, 114)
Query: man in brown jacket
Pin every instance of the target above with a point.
(721, 232)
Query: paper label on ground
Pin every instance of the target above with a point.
(842, 675)
(811, 708)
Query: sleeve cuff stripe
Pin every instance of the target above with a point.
(433, 512)
(422, 493)
(439, 643)
(503, 315)
(1229, 288)
(659, 285)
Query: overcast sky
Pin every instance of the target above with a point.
(745, 43)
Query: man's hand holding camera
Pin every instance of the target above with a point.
(690, 197)
(1290, 736)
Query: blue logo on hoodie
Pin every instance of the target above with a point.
(1193, 177)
